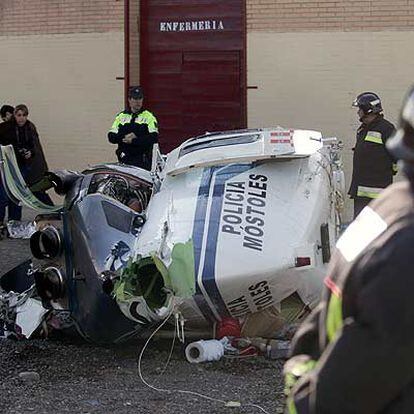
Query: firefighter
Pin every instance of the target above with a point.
(373, 166)
(135, 131)
(354, 353)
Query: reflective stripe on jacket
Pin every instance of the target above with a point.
(301, 366)
(144, 117)
(368, 192)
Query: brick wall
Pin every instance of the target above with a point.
(19, 17)
(80, 16)
(329, 15)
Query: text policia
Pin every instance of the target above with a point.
(243, 213)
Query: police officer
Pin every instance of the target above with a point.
(372, 165)
(354, 354)
(135, 131)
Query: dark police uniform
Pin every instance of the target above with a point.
(354, 354)
(373, 166)
(144, 125)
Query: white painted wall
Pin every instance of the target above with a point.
(308, 80)
(69, 83)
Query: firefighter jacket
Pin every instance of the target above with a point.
(354, 353)
(144, 125)
(373, 166)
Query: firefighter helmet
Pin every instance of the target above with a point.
(369, 102)
(401, 145)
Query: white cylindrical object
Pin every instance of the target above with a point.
(202, 351)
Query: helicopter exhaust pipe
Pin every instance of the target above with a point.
(50, 283)
(46, 243)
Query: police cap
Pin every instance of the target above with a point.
(135, 92)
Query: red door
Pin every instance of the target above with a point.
(193, 66)
(211, 92)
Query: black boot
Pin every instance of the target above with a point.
(3, 231)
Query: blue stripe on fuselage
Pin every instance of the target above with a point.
(198, 231)
(216, 176)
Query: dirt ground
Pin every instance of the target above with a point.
(63, 375)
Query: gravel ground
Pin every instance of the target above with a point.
(77, 377)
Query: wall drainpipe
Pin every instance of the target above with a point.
(126, 51)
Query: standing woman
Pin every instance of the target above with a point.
(14, 210)
(22, 135)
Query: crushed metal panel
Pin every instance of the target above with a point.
(15, 184)
(30, 316)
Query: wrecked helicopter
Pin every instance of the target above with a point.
(230, 224)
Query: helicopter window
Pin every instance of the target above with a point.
(218, 142)
(126, 190)
(117, 218)
(223, 133)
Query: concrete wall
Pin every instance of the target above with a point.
(68, 82)
(309, 79)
